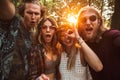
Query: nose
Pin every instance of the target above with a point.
(33, 16)
(66, 35)
(48, 29)
(88, 21)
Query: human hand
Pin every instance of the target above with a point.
(70, 33)
(43, 77)
(76, 32)
(7, 10)
(73, 32)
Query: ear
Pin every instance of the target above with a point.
(99, 22)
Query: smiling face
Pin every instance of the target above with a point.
(88, 25)
(66, 40)
(47, 31)
(63, 35)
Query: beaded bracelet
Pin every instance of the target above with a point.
(80, 41)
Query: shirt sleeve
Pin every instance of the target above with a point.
(116, 41)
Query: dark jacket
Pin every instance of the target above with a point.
(108, 50)
(8, 52)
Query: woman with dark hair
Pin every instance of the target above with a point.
(45, 57)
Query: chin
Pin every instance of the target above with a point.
(87, 38)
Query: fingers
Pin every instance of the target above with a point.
(70, 33)
(43, 77)
(76, 32)
(73, 33)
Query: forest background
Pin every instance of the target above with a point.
(63, 10)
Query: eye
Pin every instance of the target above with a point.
(70, 32)
(44, 27)
(92, 18)
(52, 27)
(29, 12)
(36, 13)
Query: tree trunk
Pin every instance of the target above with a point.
(115, 23)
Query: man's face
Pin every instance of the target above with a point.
(31, 15)
(89, 25)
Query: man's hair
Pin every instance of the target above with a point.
(97, 12)
(21, 8)
(91, 8)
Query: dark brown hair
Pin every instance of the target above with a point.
(39, 36)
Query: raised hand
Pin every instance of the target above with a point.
(43, 77)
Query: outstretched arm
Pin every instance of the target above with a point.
(7, 10)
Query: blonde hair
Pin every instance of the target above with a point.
(102, 27)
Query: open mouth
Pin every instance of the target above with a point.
(89, 30)
(48, 36)
(32, 23)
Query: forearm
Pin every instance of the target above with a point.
(90, 56)
(7, 9)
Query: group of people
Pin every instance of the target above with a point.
(34, 47)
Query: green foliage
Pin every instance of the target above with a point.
(60, 9)
(16, 2)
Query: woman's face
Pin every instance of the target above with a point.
(66, 39)
(47, 31)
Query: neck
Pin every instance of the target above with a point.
(48, 47)
(68, 49)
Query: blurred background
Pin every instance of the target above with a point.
(63, 10)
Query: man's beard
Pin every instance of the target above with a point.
(91, 38)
